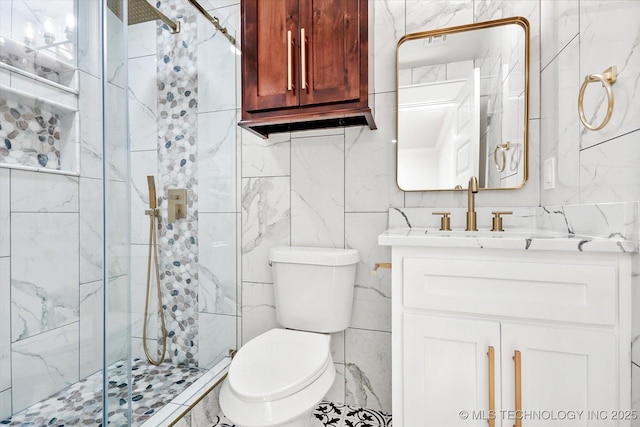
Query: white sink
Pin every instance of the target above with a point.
(520, 234)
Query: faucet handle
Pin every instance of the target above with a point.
(445, 221)
(497, 220)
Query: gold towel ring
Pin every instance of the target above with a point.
(503, 149)
(607, 78)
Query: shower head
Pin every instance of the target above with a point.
(152, 192)
(141, 11)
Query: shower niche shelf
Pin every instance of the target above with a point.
(38, 108)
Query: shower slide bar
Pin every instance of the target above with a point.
(215, 21)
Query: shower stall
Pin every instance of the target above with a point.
(95, 96)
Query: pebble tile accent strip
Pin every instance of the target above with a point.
(338, 415)
(177, 167)
(29, 136)
(81, 403)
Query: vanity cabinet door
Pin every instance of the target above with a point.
(446, 371)
(562, 371)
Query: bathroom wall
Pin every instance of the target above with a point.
(334, 187)
(50, 246)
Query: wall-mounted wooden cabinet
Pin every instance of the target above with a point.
(304, 65)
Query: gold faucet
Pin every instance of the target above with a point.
(471, 211)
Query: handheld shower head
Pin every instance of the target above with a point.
(152, 192)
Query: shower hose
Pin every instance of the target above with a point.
(153, 252)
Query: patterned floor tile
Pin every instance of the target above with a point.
(338, 415)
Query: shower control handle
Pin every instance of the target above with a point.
(177, 206)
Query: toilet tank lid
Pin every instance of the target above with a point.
(313, 255)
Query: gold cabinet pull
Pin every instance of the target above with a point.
(492, 387)
(518, 394)
(289, 61)
(607, 78)
(303, 46)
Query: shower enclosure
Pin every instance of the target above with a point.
(90, 105)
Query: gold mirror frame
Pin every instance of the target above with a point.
(502, 145)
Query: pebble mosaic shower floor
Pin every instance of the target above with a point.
(81, 403)
(336, 415)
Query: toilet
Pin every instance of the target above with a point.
(278, 378)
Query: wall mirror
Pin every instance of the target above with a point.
(462, 106)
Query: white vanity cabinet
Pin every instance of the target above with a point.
(543, 337)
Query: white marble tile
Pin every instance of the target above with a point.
(389, 27)
(265, 157)
(635, 318)
(118, 320)
(559, 23)
(559, 125)
(217, 337)
(217, 172)
(117, 228)
(142, 40)
(5, 212)
(143, 164)
(5, 18)
(90, 115)
(609, 171)
(370, 161)
(635, 388)
(5, 324)
(258, 310)
(372, 299)
(317, 191)
(217, 263)
(5, 402)
(434, 14)
(216, 71)
(336, 393)
(205, 412)
(138, 289)
(91, 328)
(143, 103)
(35, 88)
(116, 149)
(44, 272)
(609, 36)
(266, 222)
(90, 230)
(116, 53)
(44, 364)
(40, 192)
(89, 37)
(368, 369)
(5, 77)
(605, 220)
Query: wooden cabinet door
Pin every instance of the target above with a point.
(270, 52)
(446, 375)
(330, 50)
(562, 369)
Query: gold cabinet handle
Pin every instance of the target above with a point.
(303, 46)
(607, 78)
(517, 359)
(492, 387)
(289, 61)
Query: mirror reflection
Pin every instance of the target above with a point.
(462, 106)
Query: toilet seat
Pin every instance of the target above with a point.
(278, 364)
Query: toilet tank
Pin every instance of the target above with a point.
(313, 287)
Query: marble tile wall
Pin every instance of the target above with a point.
(50, 282)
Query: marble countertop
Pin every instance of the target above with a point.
(514, 239)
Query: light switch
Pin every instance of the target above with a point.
(549, 174)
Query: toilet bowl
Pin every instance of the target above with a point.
(278, 379)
